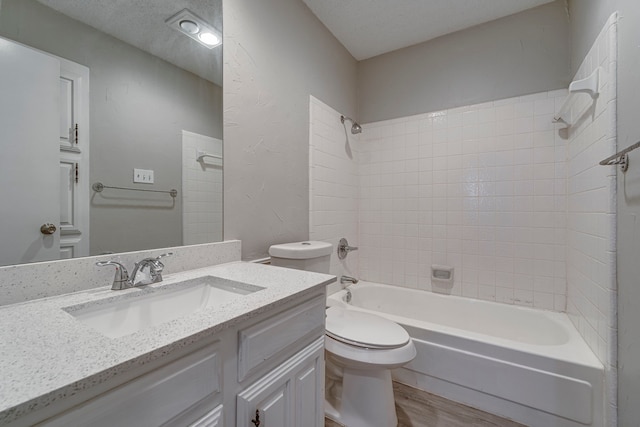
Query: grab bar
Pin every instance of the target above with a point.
(98, 187)
(620, 158)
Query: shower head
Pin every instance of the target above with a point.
(355, 127)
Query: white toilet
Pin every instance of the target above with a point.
(361, 349)
(309, 256)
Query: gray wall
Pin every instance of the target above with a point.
(523, 53)
(587, 18)
(139, 105)
(276, 54)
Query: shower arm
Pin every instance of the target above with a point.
(355, 126)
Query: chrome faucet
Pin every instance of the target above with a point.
(147, 271)
(348, 279)
(150, 270)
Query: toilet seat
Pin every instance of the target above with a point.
(364, 330)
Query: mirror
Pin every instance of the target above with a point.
(110, 126)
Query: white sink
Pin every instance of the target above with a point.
(120, 316)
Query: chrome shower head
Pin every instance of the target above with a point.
(355, 127)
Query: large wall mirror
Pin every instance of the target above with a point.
(110, 126)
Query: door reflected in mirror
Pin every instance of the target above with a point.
(110, 127)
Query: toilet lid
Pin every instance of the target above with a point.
(301, 250)
(364, 330)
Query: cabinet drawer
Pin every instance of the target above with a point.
(279, 335)
(154, 398)
(212, 419)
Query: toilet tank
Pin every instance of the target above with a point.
(309, 256)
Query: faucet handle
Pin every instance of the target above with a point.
(344, 248)
(121, 277)
(163, 255)
(159, 266)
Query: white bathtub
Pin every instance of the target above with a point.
(528, 365)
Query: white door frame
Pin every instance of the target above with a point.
(74, 151)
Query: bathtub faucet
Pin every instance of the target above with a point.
(348, 279)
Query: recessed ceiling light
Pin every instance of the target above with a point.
(195, 27)
(209, 39)
(189, 26)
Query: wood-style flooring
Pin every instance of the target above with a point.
(417, 408)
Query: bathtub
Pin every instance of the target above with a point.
(528, 365)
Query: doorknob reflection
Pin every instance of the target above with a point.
(48, 229)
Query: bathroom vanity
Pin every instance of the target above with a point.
(252, 354)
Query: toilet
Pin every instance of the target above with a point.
(361, 349)
(310, 256)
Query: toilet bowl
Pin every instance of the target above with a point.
(361, 349)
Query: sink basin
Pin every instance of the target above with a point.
(130, 313)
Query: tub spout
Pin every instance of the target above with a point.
(348, 279)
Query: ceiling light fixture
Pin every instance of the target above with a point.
(209, 39)
(195, 27)
(189, 27)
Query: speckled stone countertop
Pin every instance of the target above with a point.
(47, 355)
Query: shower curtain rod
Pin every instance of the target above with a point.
(620, 158)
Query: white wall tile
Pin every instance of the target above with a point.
(590, 233)
(201, 190)
(486, 181)
(334, 182)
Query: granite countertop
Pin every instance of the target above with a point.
(47, 355)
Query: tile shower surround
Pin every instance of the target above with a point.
(481, 188)
(591, 213)
(333, 181)
(201, 190)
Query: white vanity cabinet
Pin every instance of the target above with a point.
(169, 395)
(291, 393)
(272, 363)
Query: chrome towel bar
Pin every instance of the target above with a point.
(202, 154)
(98, 187)
(620, 158)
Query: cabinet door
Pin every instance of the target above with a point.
(275, 408)
(309, 395)
(289, 395)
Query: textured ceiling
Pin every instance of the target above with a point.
(372, 27)
(141, 23)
